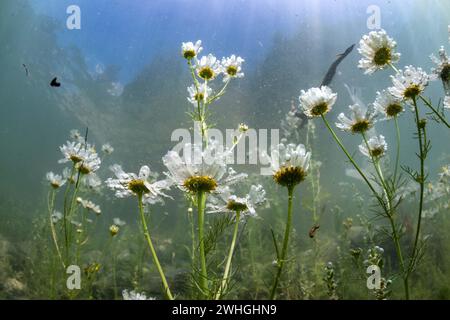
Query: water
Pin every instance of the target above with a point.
(123, 76)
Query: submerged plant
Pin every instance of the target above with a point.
(241, 208)
(147, 192)
(199, 174)
(289, 165)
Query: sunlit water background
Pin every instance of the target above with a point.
(123, 76)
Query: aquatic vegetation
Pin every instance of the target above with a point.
(207, 230)
(290, 165)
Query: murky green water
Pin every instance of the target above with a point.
(361, 227)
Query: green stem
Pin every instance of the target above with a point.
(218, 95)
(350, 158)
(429, 105)
(397, 157)
(421, 181)
(66, 193)
(152, 249)
(52, 227)
(68, 215)
(395, 236)
(282, 258)
(201, 200)
(376, 166)
(226, 273)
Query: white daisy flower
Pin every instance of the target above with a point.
(89, 205)
(378, 51)
(90, 163)
(388, 105)
(92, 181)
(55, 180)
(200, 170)
(72, 151)
(231, 203)
(409, 83)
(208, 67)
(447, 102)
(133, 295)
(107, 149)
(231, 67)
(129, 184)
(442, 69)
(190, 50)
(56, 216)
(289, 164)
(377, 147)
(76, 136)
(198, 96)
(119, 222)
(360, 120)
(317, 101)
(83, 156)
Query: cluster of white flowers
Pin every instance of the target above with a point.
(208, 68)
(89, 205)
(134, 295)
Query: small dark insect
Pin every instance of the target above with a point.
(55, 83)
(313, 230)
(26, 69)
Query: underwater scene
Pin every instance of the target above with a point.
(224, 150)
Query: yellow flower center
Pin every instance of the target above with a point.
(189, 54)
(236, 206)
(361, 126)
(200, 184)
(232, 70)
(199, 96)
(289, 176)
(445, 73)
(137, 186)
(84, 169)
(393, 109)
(377, 152)
(382, 56)
(55, 185)
(75, 158)
(319, 109)
(412, 91)
(206, 73)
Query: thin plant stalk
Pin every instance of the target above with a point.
(397, 157)
(66, 193)
(201, 200)
(350, 158)
(52, 227)
(282, 258)
(390, 215)
(429, 105)
(226, 273)
(421, 181)
(152, 249)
